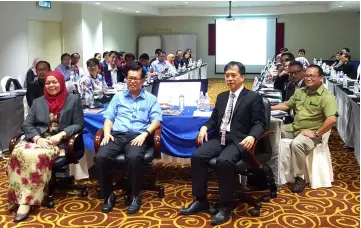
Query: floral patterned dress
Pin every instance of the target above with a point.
(29, 169)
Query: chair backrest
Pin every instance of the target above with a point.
(12, 82)
(3, 82)
(267, 112)
(263, 151)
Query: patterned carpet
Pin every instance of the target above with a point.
(337, 207)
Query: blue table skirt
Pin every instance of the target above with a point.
(178, 132)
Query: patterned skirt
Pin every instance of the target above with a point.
(29, 171)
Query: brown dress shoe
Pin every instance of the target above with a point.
(299, 185)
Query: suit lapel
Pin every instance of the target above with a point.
(240, 99)
(224, 102)
(45, 109)
(63, 110)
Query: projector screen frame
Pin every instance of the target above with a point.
(268, 54)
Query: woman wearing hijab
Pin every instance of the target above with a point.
(170, 60)
(31, 74)
(52, 119)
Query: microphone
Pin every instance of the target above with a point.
(333, 56)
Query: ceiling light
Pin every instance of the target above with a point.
(185, 2)
(340, 6)
(97, 3)
(120, 8)
(137, 11)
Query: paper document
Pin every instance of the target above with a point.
(198, 113)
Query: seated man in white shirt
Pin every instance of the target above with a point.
(160, 65)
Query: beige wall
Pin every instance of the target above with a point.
(323, 34)
(320, 34)
(120, 32)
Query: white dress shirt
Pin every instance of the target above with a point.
(236, 94)
(113, 74)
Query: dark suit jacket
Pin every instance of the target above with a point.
(349, 69)
(248, 116)
(34, 90)
(71, 117)
(280, 84)
(107, 75)
(291, 88)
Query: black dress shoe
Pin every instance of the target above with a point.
(195, 207)
(109, 203)
(135, 205)
(223, 215)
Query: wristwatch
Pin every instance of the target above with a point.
(147, 132)
(316, 134)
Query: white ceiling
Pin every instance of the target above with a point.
(220, 4)
(219, 8)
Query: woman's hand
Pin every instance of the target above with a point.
(55, 139)
(43, 143)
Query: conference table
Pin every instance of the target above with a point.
(348, 121)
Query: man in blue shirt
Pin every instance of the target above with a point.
(130, 119)
(64, 67)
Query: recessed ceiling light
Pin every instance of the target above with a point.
(185, 2)
(120, 8)
(340, 6)
(137, 11)
(97, 3)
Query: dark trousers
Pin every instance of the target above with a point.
(228, 156)
(134, 155)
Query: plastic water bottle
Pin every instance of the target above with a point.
(201, 101)
(344, 82)
(87, 98)
(356, 88)
(72, 76)
(340, 78)
(12, 87)
(181, 102)
(206, 104)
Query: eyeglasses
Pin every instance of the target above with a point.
(92, 65)
(133, 79)
(295, 73)
(311, 76)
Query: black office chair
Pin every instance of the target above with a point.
(259, 174)
(73, 153)
(153, 152)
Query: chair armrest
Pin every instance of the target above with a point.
(72, 140)
(157, 152)
(97, 139)
(253, 149)
(13, 142)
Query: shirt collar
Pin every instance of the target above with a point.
(141, 94)
(319, 91)
(238, 91)
(111, 69)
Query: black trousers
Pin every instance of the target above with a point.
(228, 156)
(134, 155)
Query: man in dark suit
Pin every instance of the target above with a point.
(347, 67)
(112, 73)
(238, 119)
(35, 89)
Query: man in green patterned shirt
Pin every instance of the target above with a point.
(316, 112)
